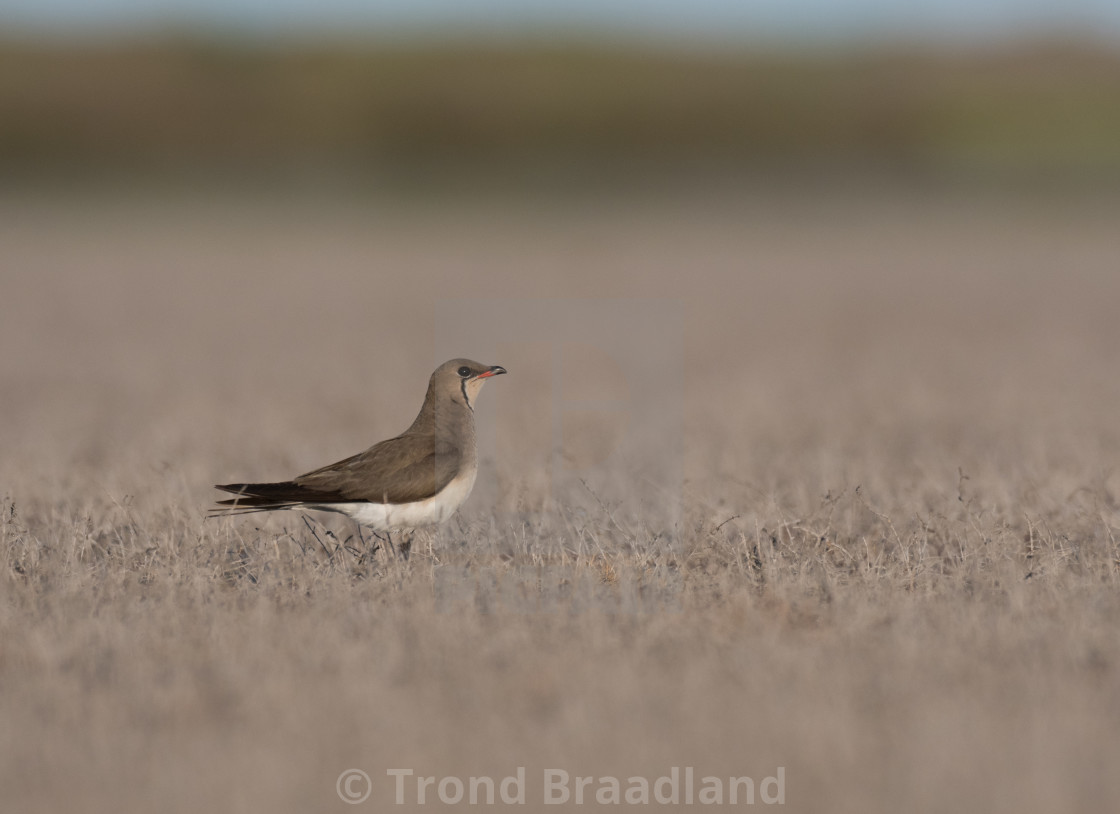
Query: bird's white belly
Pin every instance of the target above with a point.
(390, 517)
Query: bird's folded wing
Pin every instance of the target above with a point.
(404, 469)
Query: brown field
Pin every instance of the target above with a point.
(890, 568)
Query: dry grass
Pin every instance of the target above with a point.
(894, 571)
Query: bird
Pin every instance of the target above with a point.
(419, 478)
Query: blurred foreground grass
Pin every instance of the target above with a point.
(377, 114)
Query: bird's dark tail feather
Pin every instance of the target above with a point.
(264, 497)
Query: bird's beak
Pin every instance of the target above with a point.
(496, 370)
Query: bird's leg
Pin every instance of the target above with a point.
(318, 539)
(406, 545)
(362, 539)
(401, 549)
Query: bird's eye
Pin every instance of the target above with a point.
(464, 371)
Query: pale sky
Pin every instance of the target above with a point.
(721, 19)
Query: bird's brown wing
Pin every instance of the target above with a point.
(400, 470)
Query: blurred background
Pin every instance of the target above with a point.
(576, 94)
(206, 205)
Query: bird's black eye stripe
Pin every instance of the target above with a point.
(464, 371)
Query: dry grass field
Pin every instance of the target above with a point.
(890, 568)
